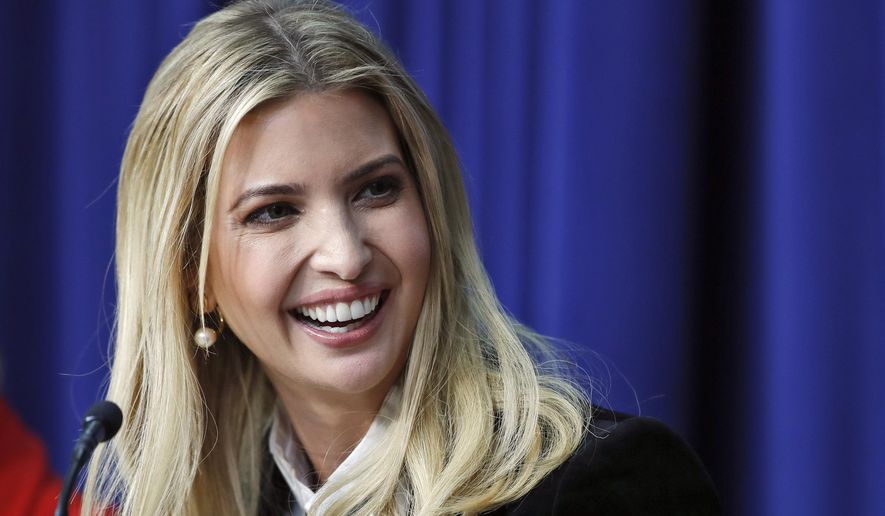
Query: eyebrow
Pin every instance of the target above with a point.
(298, 188)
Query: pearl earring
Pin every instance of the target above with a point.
(206, 337)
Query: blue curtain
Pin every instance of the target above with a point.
(692, 194)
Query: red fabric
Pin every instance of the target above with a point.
(28, 486)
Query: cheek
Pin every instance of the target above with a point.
(250, 279)
(412, 254)
(416, 248)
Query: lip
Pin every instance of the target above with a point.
(335, 295)
(343, 340)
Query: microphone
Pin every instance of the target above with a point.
(102, 421)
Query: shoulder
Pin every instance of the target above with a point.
(624, 465)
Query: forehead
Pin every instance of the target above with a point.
(306, 135)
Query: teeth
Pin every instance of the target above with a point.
(357, 309)
(341, 312)
(345, 329)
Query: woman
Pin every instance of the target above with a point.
(290, 203)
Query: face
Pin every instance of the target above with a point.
(319, 254)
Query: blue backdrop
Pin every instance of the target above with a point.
(692, 193)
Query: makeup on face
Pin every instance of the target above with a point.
(320, 252)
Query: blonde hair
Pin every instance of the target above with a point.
(486, 411)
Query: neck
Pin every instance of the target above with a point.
(329, 427)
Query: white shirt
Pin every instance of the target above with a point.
(293, 464)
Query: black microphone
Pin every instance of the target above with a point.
(101, 422)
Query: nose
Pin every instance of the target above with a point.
(340, 247)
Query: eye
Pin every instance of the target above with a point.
(383, 190)
(272, 213)
(378, 188)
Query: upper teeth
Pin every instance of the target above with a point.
(341, 312)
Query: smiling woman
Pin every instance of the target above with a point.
(289, 200)
(317, 212)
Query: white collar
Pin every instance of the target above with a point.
(293, 464)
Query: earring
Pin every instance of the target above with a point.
(206, 337)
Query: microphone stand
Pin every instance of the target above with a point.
(102, 422)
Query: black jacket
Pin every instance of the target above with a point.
(626, 465)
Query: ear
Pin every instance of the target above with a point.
(211, 303)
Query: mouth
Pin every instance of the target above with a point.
(341, 317)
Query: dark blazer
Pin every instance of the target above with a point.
(626, 465)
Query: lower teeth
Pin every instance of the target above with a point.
(341, 329)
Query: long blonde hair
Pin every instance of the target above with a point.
(486, 411)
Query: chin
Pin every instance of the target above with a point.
(362, 375)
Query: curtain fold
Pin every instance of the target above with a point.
(822, 282)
